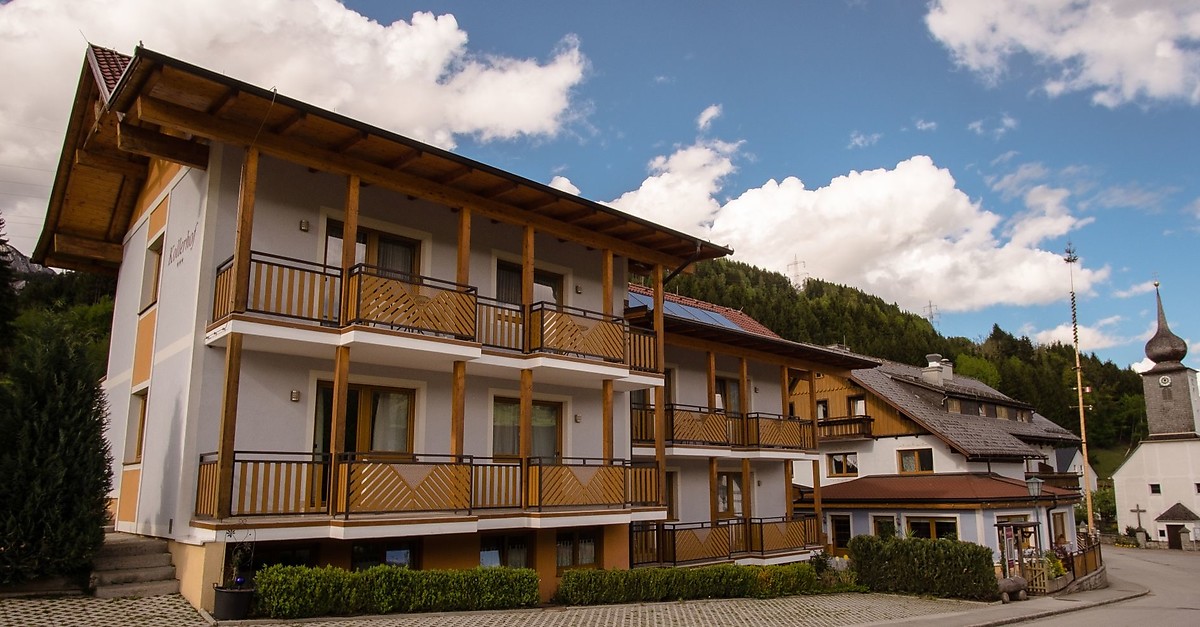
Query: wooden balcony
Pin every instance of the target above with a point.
(1064, 480)
(845, 428)
(681, 544)
(283, 288)
(689, 425)
(283, 484)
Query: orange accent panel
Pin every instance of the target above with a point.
(131, 478)
(545, 562)
(614, 547)
(143, 349)
(450, 552)
(161, 172)
(158, 218)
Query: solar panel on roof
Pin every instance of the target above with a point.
(684, 312)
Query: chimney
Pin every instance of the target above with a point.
(947, 370)
(932, 373)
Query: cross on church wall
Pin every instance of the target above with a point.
(1137, 509)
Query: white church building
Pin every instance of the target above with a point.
(1158, 486)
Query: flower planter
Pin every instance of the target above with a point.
(232, 603)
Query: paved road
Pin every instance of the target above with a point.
(1173, 578)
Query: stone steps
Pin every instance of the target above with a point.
(133, 566)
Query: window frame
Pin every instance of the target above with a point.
(152, 273)
(138, 422)
(370, 240)
(916, 454)
(823, 409)
(576, 536)
(1155, 488)
(734, 505)
(560, 427)
(506, 543)
(932, 522)
(876, 519)
(830, 459)
(364, 423)
(381, 548)
(541, 276)
(834, 519)
(853, 400)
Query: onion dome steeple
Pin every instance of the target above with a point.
(1165, 348)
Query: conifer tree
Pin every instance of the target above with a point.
(55, 462)
(8, 298)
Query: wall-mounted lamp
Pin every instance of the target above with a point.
(295, 396)
(578, 289)
(304, 225)
(578, 418)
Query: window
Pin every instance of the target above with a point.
(1198, 488)
(547, 286)
(840, 524)
(933, 528)
(506, 428)
(151, 271)
(729, 494)
(1155, 488)
(857, 405)
(989, 410)
(672, 482)
(884, 526)
(509, 551)
(822, 409)
(577, 549)
(392, 553)
(843, 464)
(969, 408)
(374, 248)
(137, 427)
(729, 395)
(1058, 528)
(377, 418)
(916, 460)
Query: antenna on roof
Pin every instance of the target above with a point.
(797, 277)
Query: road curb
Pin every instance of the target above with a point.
(1064, 610)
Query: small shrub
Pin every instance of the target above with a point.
(301, 591)
(1054, 565)
(596, 587)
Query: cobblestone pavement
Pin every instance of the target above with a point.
(833, 609)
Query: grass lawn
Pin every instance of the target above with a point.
(1107, 460)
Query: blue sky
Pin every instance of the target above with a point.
(938, 153)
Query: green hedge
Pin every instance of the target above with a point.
(301, 591)
(941, 568)
(595, 587)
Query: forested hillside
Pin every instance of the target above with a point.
(826, 313)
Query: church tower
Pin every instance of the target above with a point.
(1172, 402)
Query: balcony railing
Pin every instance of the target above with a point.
(571, 331)
(285, 483)
(410, 302)
(677, 544)
(1063, 480)
(692, 425)
(282, 286)
(300, 290)
(846, 428)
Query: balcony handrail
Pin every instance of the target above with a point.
(400, 457)
(578, 461)
(846, 419)
(543, 305)
(410, 277)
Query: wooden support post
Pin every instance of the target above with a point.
(350, 248)
(338, 494)
(816, 473)
(463, 276)
(712, 381)
(785, 392)
(458, 407)
(606, 280)
(747, 499)
(606, 416)
(225, 445)
(245, 229)
(660, 441)
(660, 333)
(527, 284)
(714, 513)
(789, 507)
(744, 400)
(526, 435)
(812, 408)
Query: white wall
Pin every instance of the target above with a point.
(1174, 466)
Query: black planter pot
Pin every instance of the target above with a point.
(232, 603)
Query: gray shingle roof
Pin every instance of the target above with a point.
(977, 437)
(1178, 513)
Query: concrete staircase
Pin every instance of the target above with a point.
(133, 566)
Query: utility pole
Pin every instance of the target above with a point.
(1071, 258)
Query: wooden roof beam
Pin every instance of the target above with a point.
(103, 160)
(223, 102)
(500, 190)
(84, 248)
(291, 123)
(403, 160)
(541, 203)
(305, 154)
(140, 141)
(453, 175)
(350, 142)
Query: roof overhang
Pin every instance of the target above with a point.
(166, 109)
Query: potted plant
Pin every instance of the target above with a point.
(234, 596)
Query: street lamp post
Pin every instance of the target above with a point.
(1034, 485)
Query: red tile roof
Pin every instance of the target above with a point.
(109, 65)
(743, 321)
(957, 487)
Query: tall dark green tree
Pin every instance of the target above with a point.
(55, 463)
(8, 298)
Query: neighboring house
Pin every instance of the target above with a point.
(730, 435)
(350, 347)
(923, 452)
(1158, 486)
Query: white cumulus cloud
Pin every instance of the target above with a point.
(1136, 289)
(710, 113)
(417, 77)
(1117, 51)
(563, 183)
(680, 191)
(1091, 338)
(862, 140)
(926, 125)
